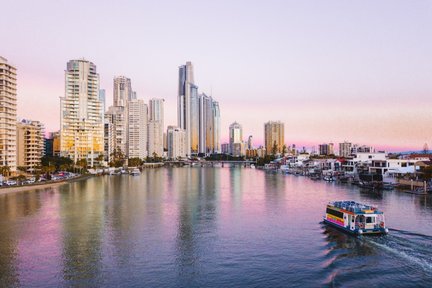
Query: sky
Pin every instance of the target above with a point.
(359, 71)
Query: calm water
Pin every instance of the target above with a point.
(213, 227)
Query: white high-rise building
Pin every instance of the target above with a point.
(8, 114)
(155, 139)
(81, 125)
(156, 127)
(216, 128)
(156, 110)
(122, 91)
(209, 123)
(176, 141)
(117, 114)
(137, 129)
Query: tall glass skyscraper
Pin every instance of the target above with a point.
(186, 90)
(198, 115)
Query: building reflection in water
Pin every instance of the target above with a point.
(236, 186)
(82, 213)
(274, 186)
(196, 220)
(14, 207)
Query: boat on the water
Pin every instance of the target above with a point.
(355, 218)
(135, 172)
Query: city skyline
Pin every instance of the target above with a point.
(371, 88)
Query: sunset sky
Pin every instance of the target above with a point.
(359, 71)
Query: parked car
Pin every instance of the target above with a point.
(11, 182)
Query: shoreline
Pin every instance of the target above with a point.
(24, 188)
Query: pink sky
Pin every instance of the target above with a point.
(330, 70)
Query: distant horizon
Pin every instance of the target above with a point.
(330, 71)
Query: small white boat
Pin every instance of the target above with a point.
(135, 172)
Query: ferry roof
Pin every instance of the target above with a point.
(355, 207)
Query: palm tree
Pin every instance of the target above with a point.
(5, 170)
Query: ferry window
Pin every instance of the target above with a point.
(352, 219)
(370, 219)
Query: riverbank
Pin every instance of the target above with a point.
(43, 185)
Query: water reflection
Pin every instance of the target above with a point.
(197, 214)
(82, 214)
(198, 226)
(14, 207)
(371, 194)
(274, 187)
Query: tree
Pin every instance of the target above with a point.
(59, 163)
(82, 163)
(265, 160)
(134, 162)
(284, 149)
(5, 170)
(99, 159)
(118, 158)
(274, 148)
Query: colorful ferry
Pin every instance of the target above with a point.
(355, 218)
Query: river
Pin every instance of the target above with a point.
(207, 227)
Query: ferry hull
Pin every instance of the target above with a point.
(376, 231)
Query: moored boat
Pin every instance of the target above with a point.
(355, 218)
(135, 172)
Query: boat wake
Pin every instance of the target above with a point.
(400, 255)
(413, 247)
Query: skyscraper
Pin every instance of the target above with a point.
(8, 114)
(236, 139)
(274, 135)
(206, 125)
(102, 98)
(155, 139)
(81, 117)
(156, 108)
(198, 115)
(209, 125)
(137, 128)
(122, 91)
(118, 114)
(186, 91)
(217, 127)
(156, 127)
